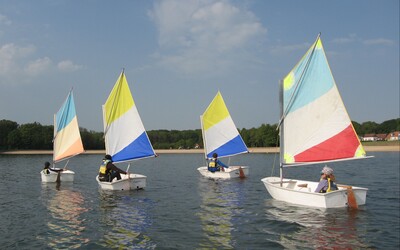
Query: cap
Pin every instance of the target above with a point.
(327, 170)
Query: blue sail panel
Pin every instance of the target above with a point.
(66, 113)
(232, 147)
(139, 148)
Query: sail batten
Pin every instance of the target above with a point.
(67, 139)
(220, 134)
(316, 125)
(125, 136)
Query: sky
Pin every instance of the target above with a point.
(178, 53)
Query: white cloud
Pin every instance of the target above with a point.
(68, 65)
(38, 66)
(353, 38)
(19, 61)
(10, 56)
(379, 41)
(283, 49)
(343, 40)
(4, 20)
(195, 35)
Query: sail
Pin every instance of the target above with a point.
(220, 134)
(316, 126)
(67, 139)
(125, 136)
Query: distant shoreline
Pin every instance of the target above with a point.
(393, 148)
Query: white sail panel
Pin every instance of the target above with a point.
(220, 134)
(121, 133)
(304, 130)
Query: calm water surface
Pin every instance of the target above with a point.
(182, 210)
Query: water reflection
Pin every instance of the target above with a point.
(316, 228)
(125, 220)
(218, 210)
(65, 207)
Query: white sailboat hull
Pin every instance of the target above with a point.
(229, 173)
(131, 182)
(293, 191)
(65, 176)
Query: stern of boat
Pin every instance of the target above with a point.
(65, 176)
(301, 192)
(229, 173)
(131, 182)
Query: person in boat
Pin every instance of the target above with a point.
(48, 169)
(216, 165)
(327, 181)
(108, 171)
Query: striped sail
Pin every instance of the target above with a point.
(125, 136)
(316, 126)
(67, 139)
(220, 134)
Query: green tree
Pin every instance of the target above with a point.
(35, 136)
(6, 127)
(369, 128)
(91, 139)
(389, 126)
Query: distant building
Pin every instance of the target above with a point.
(381, 137)
(370, 137)
(393, 136)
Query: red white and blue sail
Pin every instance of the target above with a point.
(125, 136)
(67, 139)
(220, 134)
(316, 126)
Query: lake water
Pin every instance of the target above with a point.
(179, 209)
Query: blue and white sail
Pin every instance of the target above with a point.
(220, 134)
(125, 136)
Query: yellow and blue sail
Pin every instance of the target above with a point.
(316, 126)
(67, 139)
(125, 136)
(220, 134)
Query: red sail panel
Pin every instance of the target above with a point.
(342, 145)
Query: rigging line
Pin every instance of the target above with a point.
(274, 162)
(118, 93)
(299, 82)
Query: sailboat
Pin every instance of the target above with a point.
(221, 136)
(67, 141)
(125, 137)
(315, 128)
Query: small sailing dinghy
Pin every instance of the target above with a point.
(221, 136)
(67, 141)
(125, 137)
(314, 128)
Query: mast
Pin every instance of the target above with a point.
(281, 131)
(54, 137)
(204, 138)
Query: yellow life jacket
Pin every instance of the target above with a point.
(212, 163)
(103, 167)
(329, 185)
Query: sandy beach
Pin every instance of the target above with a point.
(395, 148)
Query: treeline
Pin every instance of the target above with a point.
(34, 136)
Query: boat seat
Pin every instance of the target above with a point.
(278, 182)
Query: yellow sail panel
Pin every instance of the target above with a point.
(216, 112)
(119, 101)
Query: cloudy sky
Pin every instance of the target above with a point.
(178, 53)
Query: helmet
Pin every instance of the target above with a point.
(47, 164)
(108, 157)
(215, 155)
